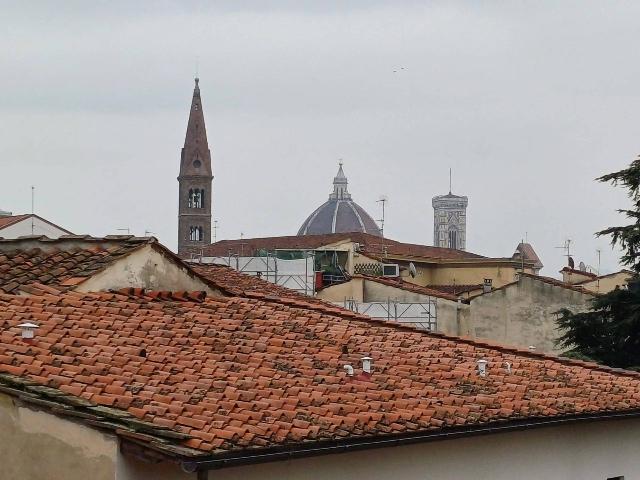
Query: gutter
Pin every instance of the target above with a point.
(332, 447)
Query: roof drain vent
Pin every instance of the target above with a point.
(349, 370)
(508, 366)
(28, 331)
(366, 365)
(482, 367)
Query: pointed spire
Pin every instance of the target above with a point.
(340, 186)
(196, 158)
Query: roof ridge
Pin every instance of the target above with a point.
(411, 286)
(558, 283)
(467, 340)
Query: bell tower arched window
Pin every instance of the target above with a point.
(196, 234)
(453, 239)
(196, 198)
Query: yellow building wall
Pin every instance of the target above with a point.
(464, 274)
(351, 290)
(607, 284)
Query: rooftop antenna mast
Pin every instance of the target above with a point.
(449, 180)
(215, 231)
(33, 208)
(567, 248)
(382, 201)
(599, 252)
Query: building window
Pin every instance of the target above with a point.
(453, 239)
(196, 198)
(196, 234)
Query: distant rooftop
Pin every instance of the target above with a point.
(370, 245)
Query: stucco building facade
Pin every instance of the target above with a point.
(524, 313)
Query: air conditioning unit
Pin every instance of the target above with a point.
(390, 270)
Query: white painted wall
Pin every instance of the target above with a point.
(587, 451)
(146, 268)
(38, 445)
(23, 227)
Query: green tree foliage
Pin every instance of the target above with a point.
(610, 331)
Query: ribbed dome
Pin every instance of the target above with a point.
(340, 214)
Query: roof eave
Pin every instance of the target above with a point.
(302, 450)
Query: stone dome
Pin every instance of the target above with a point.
(339, 214)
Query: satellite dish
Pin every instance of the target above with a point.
(412, 270)
(582, 267)
(572, 264)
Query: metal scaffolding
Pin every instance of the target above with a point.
(419, 314)
(295, 274)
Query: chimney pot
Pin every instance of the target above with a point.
(482, 367)
(28, 330)
(366, 364)
(508, 366)
(349, 370)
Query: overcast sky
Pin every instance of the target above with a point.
(527, 102)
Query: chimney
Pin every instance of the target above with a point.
(482, 367)
(349, 370)
(487, 285)
(366, 365)
(28, 331)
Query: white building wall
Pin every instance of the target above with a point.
(586, 451)
(23, 227)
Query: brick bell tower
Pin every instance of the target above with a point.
(195, 183)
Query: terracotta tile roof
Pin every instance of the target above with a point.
(527, 250)
(456, 289)
(237, 283)
(369, 244)
(557, 283)
(63, 262)
(192, 376)
(579, 272)
(6, 221)
(408, 286)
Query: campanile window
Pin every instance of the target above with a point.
(196, 234)
(196, 198)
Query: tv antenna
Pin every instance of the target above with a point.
(33, 207)
(567, 248)
(449, 180)
(382, 200)
(599, 253)
(125, 229)
(215, 231)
